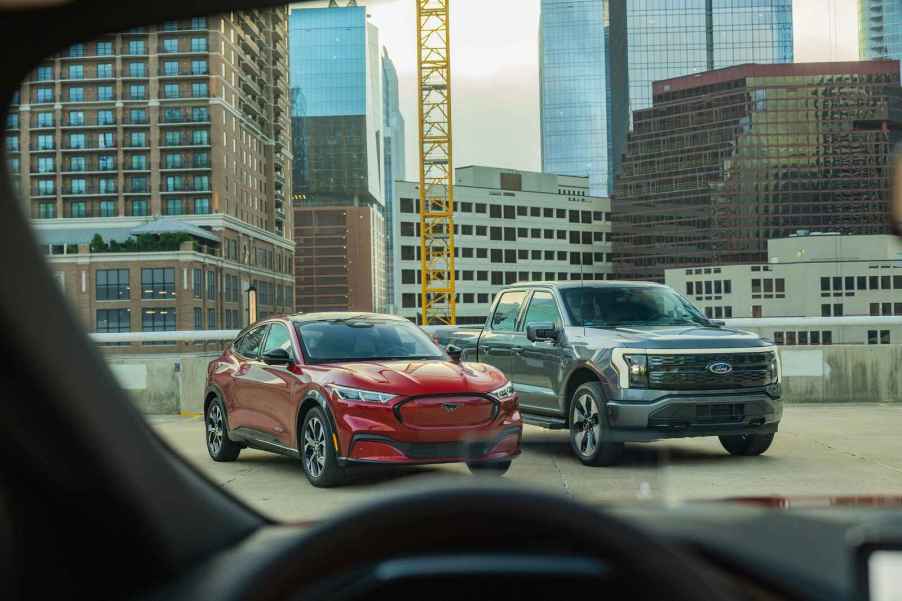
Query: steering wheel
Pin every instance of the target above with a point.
(483, 531)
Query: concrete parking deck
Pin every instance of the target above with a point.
(821, 450)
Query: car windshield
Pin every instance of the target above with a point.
(614, 306)
(365, 339)
(253, 209)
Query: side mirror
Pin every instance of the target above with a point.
(542, 331)
(454, 352)
(277, 356)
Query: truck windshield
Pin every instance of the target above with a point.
(612, 306)
(365, 339)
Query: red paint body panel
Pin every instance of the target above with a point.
(441, 411)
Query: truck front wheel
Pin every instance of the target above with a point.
(588, 426)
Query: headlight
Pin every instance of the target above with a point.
(773, 370)
(503, 393)
(637, 366)
(355, 394)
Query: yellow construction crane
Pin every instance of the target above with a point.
(438, 296)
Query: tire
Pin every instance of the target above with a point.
(216, 433)
(747, 445)
(318, 456)
(489, 468)
(587, 435)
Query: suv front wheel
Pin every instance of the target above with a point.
(588, 427)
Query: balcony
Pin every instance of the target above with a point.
(184, 118)
(90, 191)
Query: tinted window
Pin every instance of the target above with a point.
(278, 338)
(249, 346)
(632, 305)
(505, 317)
(542, 308)
(365, 339)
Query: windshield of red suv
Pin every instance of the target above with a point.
(364, 339)
(612, 306)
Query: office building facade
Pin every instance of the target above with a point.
(725, 160)
(395, 157)
(879, 29)
(170, 143)
(338, 170)
(510, 226)
(598, 59)
(807, 276)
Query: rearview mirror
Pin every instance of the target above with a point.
(541, 331)
(277, 356)
(454, 352)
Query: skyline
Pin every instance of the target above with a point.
(506, 132)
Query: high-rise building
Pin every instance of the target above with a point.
(393, 136)
(598, 59)
(725, 160)
(575, 96)
(879, 29)
(338, 170)
(510, 226)
(154, 163)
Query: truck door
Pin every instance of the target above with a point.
(535, 366)
(500, 335)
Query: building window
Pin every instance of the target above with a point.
(105, 71)
(409, 301)
(173, 206)
(495, 211)
(198, 318)
(211, 285)
(201, 206)
(44, 73)
(104, 48)
(43, 95)
(875, 308)
(884, 337)
(407, 253)
(78, 208)
(76, 50)
(198, 67)
(137, 69)
(756, 311)
(791, 338)
(825, 311)
(111, 284)
(137, 91)
(170, 90)
(158, 283)
(200, 90)
(114, 320)
(136, 47)
(158, 320)
(873, 337)
(407, 205)
(104, 93)
(107, 208)
(198, 44)
(76, 94)
(837, 310)
(170, 67)
(211, 319)
(778, 338)
(170, 45)
(47, 210)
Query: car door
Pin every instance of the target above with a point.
(500, 335)
(535, 365)
(278, 387)
(243, 410)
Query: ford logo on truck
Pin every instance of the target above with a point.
(720, 368)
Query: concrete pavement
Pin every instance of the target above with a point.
(820, 450)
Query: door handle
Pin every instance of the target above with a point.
(517, 350)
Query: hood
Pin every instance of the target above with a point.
(809, 502)
(682, 337)
(419, 377)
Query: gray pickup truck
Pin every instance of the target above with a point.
(623, 362)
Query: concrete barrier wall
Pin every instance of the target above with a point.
(163, 383)
(174, 383)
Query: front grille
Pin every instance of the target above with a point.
(690, 372)
(439, 450)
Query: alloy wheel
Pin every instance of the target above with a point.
(314, 447)
(215, 429)
(586, 425)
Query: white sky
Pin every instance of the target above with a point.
(494, 62)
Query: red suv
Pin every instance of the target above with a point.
(340, 388)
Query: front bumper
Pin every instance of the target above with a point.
(375, 448)
(689, 414)
(371, 433)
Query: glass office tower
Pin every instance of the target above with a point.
(338, 148)
(598, 59)
(575, 102)
(880, 29)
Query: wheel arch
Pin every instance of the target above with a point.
(313, 398)
(580, 375)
